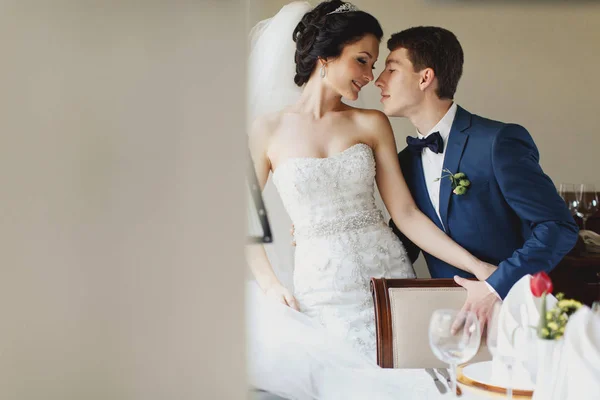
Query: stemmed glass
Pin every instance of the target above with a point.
(454, 338)
(587, 202)
(504, 352)
(567, 192)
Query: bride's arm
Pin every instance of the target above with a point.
(255, 253)
(403, 210)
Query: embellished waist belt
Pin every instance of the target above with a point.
(344, 224)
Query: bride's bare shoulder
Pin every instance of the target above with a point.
(263, 128)
(265, 124)
(369, 116)
(373, 122)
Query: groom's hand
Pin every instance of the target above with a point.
(480, 300)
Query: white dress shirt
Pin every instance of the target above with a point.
(433, 163)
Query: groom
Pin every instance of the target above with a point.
(510, 214)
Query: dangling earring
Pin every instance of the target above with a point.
(323, 71)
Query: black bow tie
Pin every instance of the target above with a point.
(434, 142)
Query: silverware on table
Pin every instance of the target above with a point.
(444, 372)
(440, 386)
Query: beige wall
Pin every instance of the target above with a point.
(121, 172)
(535, 65)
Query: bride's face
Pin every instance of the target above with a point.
(353, 69)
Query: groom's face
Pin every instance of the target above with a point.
(399, 84)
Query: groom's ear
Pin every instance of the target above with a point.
(426, 78)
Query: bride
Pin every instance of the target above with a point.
(325, 158)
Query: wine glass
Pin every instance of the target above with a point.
(568, 194)
(587, 202)
(454, 338)
(505, 352)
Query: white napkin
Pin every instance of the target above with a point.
(519, 315)
(579, 375)
(591, 240)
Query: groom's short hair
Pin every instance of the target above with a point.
(435, 48)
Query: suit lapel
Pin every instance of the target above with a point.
(454, 149)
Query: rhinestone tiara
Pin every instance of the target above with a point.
(344, 8)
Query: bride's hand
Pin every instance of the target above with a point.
(484, 270)
(282, 295)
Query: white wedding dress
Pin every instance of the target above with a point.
(328, 350)
(342, 241)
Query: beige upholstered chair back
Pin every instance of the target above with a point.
(403, 308)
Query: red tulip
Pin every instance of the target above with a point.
(540, 284)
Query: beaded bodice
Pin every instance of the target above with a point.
(328, 195)
(342, 241)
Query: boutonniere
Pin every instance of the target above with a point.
(460, 182)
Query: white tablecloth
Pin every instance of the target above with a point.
(418, 386)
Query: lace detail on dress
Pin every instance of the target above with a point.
(342, 241)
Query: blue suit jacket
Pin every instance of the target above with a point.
(511, 216)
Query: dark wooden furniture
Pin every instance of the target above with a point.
(403, 308)
(578, 277)
(578, 274)
(383, 318)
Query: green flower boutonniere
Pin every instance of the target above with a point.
(460, 182)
